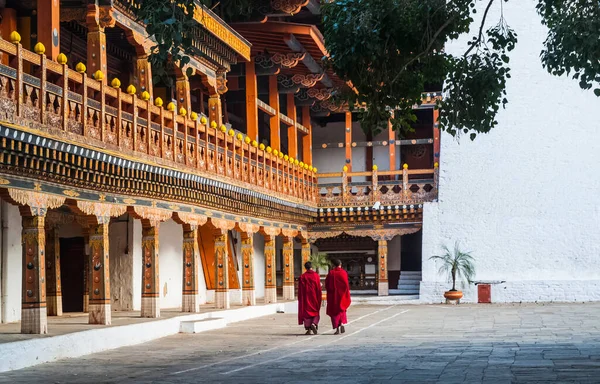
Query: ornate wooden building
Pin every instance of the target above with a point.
(212, 178)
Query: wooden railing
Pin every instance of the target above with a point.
(389, 188)
(69, 104)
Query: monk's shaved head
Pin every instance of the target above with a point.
(336, 262)
(308, 265)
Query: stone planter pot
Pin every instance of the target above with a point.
(453, 295)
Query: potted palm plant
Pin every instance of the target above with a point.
(455, 264)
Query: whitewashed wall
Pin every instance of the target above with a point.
(524, 198)
(259, 265)
(170, 264)
(11, 268)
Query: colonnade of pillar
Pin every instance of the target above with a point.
(42, 287)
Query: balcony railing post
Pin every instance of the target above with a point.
(375, 186)
(149, 126)
(84, 98)
(102, 111)
(42, 98)
(119, 121)
(161, 117)
(19, 88)
(134, 127)
(185, 140)
(65, 96)
(344, 184)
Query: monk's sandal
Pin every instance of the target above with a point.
(313, 329)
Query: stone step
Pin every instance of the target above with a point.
(197, 326)
(409, 273)
(403, 291)
(410, 280)
(408, 286)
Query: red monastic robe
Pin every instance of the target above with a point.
(309, 295)
(338, 294)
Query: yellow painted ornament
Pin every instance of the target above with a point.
(182, 111)
(254, 143)
(269, 150)
(261, 147)
(61, 59)
(98, 75)
(315, 169)
(306, 166)
(231, 133)
(302, 164)
(281, 155)
(275, 152)
(145, 96)
(374, 167)
(213, 124)
(14, 37)
(291, 160)
(405, 166)
(239, 136)
(194, 116)
(310, 168)
(223, 128)
(203, 120)
(131, 89)
(158, 102)
(345, 168)
(80, 67)
(170, 106)
(286, 157)
(39, 49)
(116, 83)
(247, 140)
(436, 165)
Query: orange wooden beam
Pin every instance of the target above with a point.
(48, 26)
(251, 97)
(9, 24)
(436, 136)
(307, 139)
(292, 131)
(274, 120)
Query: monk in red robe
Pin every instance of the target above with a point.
(338, 296)
(309, 299)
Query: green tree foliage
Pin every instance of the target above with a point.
(455, 264)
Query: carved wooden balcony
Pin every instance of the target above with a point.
(70, 106)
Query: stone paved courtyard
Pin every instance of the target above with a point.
(446, 344)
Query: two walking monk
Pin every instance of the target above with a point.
(309, 298)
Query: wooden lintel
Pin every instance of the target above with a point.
(308, 60)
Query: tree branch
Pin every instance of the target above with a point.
(480, 36)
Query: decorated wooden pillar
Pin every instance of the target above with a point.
(248, 291)
(53, 283)
(143, 75)
(288, 268)
(33, 310)
(99, 272)
(382, 273)
(215, 109)
(270, 269)
(251, 101)
(305, 251)
(274, 121)
(48, 26)
(222, 300)
(191, 265)
(96, 42)
(184, 96)
(392, 146)
(307, 138)
(292, 131)
(150, 279)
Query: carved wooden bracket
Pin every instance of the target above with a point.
(319, 94)
(288, 6)
(286, 85)
(375, 234)
(38, 202)
(288, 60)
(309, 80)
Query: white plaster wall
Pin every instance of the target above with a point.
(394, 253)
(11, 274)
(522, 198)
(121, 265)
(170, 264)
(259, 265)
(136, 250)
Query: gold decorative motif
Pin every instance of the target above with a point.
(71, 193)
(101, 209)
(272, 231)
(192, 218)
(288, 60)
(288, 6)
(288, 232)
(206, 18)
(129, 201)
(223, 224)
(101, 197)
(4, 181)
(375, 234)
(309, 80)
(35, 199)
(174, 207)
(154, 215)
(249, 227)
